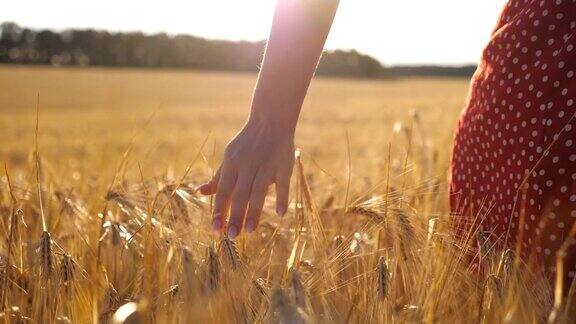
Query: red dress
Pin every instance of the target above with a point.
(514, 159)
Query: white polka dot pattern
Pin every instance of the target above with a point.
(514, 158)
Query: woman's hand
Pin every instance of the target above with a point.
(261, 154)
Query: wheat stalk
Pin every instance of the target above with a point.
(383, 278)
(231, 252)
(45, 256)
(213, 279)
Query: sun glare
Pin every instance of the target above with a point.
(396, 32)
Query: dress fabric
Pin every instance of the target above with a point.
(513, 166)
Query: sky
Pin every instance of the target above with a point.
(395, 32)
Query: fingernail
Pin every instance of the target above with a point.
(232, 231)
(202, 188)
(281, 212)
(250, 226)
(217, 224)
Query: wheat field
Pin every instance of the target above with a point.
(100, 222)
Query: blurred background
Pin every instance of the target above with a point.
(175, 76)
(207, 34)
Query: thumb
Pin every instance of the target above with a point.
(210, 187)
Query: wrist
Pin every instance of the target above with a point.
(273, 122)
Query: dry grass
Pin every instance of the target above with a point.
(126, 239)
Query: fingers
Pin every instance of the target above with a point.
(282, 191)
(223, 194)
(257, 198)
(244, 193)
(210, 187)
(240, 198)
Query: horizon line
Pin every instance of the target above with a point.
(172, 35)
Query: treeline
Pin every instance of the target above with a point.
(101, 48)
(431, 70)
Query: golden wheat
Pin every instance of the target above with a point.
(102, 225)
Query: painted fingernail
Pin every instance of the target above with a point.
(217, 224)
(203, 188)
(232, 231)
(280, 211)
(250, 226)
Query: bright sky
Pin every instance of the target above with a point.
(394, 31)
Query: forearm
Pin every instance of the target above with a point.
(299, 31)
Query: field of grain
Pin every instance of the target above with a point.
(104, 225)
